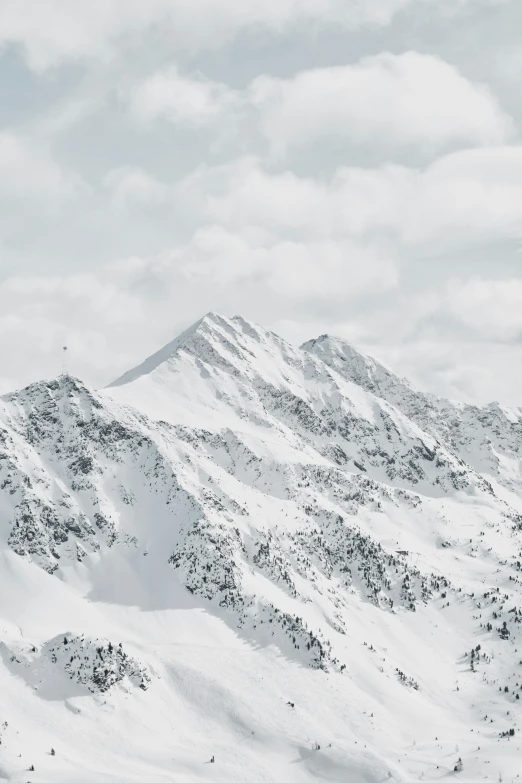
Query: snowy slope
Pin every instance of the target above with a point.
(242, 548)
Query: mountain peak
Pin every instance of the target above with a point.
(354, 364)
(207, 323)
(214, 337)
(61, 385)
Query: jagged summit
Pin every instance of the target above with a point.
(487, 437)
(219, 367)
(53, 396)
(212, 334)
(215, 334)
(233, 340)
(356, 365)
(61, 383)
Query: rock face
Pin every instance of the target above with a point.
(96, 665)
(55, 438)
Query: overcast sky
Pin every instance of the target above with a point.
(342, 166)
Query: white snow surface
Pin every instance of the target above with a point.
(288, 559)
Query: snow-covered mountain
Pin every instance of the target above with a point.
(244, 549)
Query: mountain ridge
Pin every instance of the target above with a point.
(244, 507)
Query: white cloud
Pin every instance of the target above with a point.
(315, 272)
(28, 171)
(329, 271)
(465, 197)
(54, 31)
(100, 293)
(242, 193)
(493, 308)
(389, 100)
(472, 193)
(180, 99)
(132, 187)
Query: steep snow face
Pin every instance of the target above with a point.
(488, 438)
(168, 351)
(255, 548)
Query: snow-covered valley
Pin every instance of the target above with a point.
(286, 559)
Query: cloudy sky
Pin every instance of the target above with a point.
(342, 166)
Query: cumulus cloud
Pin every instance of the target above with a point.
(243, 193)
(464, 197)
(493, 308)
(388, 100)
(329, 271)
(132, 187)
(28, 171)
(180, 99)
